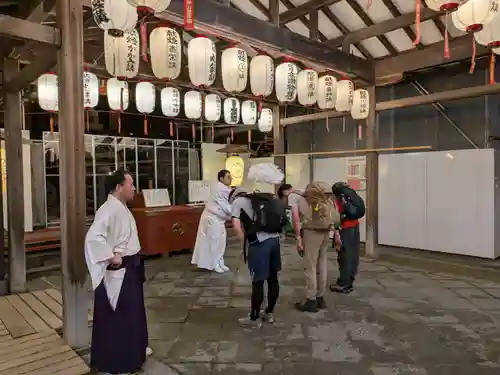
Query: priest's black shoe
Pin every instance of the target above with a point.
(320, 303)
(309, 305)
(341, 289)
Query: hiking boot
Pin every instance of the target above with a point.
(341, 289)
(309, 305)
(246, 322)
(267, 317)
(320, 303)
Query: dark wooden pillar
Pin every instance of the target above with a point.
(278, 139)
(274, 11)
(371, 179)
(72, 172)
(14, 124)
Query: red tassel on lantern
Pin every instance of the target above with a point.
(418, 7)
(171, 125)
(213, 132)
(473, 59)
(369, 4)
(360, 132)
(51, 122)
(193, 132)
(492, 68)
(145, 124)
(144, 40)
(87, 121)
(119, 124)
(446, 40)
(232, 135)
(249, 136)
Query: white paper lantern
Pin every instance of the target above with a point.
(327, 92)
(474, 14)
(150, 6)
(234, 68)
(249, 112)
(118, 94)
(262, 75)
(360, 104)
(121, 54)
(213, 107)
(307, 84)
(192, 104)
(202, 61)
(115, 16)
(90, 90)
(145, 97)
(489, 36)
(345, 91)
(170, 101)
(231, 111)
(166, 51)
(443, 5)
(265, 123)
(47, 89)
(286, 82)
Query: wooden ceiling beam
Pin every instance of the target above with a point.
(17, 28)
(303, 9)
(382, 28)
(432, 55)
(407, 29)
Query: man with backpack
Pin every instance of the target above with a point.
(258, 219)
(351, 208)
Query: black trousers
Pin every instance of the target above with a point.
(348, 256)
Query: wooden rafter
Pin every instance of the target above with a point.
(303, 9)
(25, 30)
(407, 29)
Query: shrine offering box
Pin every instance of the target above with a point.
(163, 228)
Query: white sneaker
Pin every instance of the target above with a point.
(223, 266)
(149, 351)
(218, 269)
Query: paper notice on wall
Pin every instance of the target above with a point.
(4, 170)
(189, 15)
(199, 191)
(356, 172)
(156, 197)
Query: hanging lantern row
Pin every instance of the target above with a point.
(212, 107)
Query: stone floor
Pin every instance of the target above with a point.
(400, 320)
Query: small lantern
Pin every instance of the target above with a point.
(265, 123)
(345, 91)
(118, 94)
(145, 100)
(249, 112)
(231, 111)
(192, 105)
(236, 166)
(262, 76)
(90, 90)
(213, 107)
(121, 54)
(443, 5)
(360, 104)
(327, 92)
(150, 6)
(307, 84)
(170, 101)
(474, 14)
(166, 51)
(489, 37)
(47, 89)
(234, 67)
(202, 61)
(114, 16)
(286, 82)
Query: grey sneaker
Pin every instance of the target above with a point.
(246, 322)
(267, 317)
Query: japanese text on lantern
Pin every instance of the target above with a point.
(132, 45)
(291, 82)
(218, 105)
(363, 100)
(351, 93)
(328, 89)
(176, 101)
(233, 111)
(311, 85)
(211, 65)
(87, 101)
(172, 42)
(99, 13)
(241, 64)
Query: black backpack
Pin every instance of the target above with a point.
(269, 214)
(353, 206)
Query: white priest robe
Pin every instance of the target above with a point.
(113, 230)
(211, 238)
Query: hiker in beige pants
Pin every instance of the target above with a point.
(316, 246)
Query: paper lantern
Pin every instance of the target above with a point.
(443, 5)
(345, 91)
(265, 123)
(213, 107)
(202, 61)
(236, 166)
(192, 105)
(150, 6)
(114, 16)
(262, 75)
(234, 68)
(489, 36)
(145, 97)
(47, 89)
(286, 82)
(249, 112)
(121, 54)
(360, 104)
(118, 94)
(90, 90)
(166, 51)
(170, 101)
(307, 84)
(474, 14)
(231, 111)
(327, 92)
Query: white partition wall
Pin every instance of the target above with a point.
(439, 201)
(297, 170)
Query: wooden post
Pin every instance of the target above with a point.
(14, 124)
(278, 140)
(274, 11)
(72, 173)
(371, 179)
(3, 283)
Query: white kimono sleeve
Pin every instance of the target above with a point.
(97, 249)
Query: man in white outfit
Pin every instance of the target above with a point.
(211, 239)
